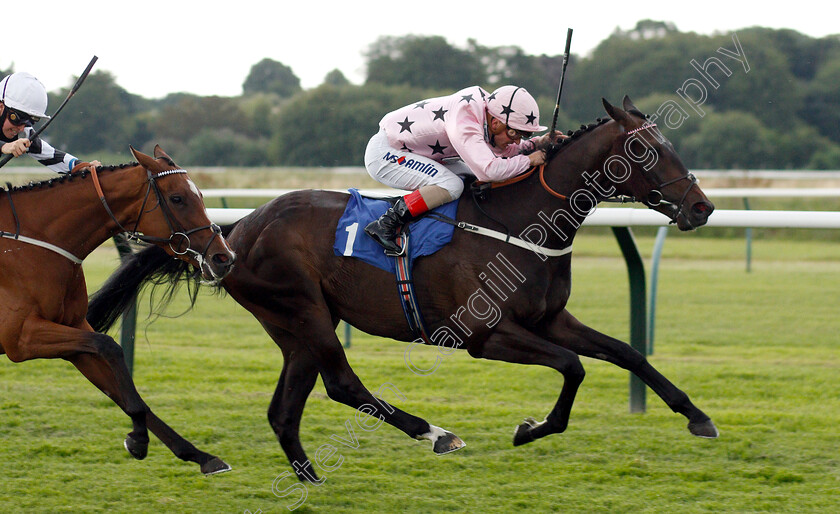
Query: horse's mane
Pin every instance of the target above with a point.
(573, 135)
(64, 178)
(557, 146)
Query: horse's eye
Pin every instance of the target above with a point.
(176, 199)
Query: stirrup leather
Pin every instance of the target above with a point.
(401, 241)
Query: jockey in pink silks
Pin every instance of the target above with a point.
(426, 147)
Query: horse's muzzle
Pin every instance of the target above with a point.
(696, 216)
(217, 266)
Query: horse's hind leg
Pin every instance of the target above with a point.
(570, 333)
(101, 373)
(100, 359)
(344, 386)
(183, 449)
(102, 376)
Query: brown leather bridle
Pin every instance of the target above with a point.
(177, 235)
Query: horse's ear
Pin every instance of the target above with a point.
(628, 104)
(160, 154)
(614, 112)
(144, 160)
(607, 106)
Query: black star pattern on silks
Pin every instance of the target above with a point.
(406, 149)
(467, 98)
(531, 118)
(406, 125)
(420, 105)
(507, 110)
(492, 97)
(437, 147)
(439, 114)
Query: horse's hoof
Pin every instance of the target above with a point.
(214, 466)
(523, 433)
(447, 443)
(705, 429)
(137, 449)
(306, 473)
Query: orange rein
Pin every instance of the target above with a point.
(525, 175)
(95, 175)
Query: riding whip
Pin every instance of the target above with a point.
(6, 158)
(562, 76)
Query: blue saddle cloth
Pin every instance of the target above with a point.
(426, 235)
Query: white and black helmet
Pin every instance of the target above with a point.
(23, 92)
(516, 108)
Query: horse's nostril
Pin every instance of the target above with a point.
(703, 208)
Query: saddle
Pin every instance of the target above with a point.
(426, 234)
(421, 237)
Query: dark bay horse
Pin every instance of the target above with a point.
(289, 277)
(49, 227)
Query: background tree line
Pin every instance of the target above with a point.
(783, 114)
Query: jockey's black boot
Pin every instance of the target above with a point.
(384, 230)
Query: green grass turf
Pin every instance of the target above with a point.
(759, 352)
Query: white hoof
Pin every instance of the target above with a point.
(443, 440)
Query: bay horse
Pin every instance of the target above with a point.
(47, 230)
(290, 278)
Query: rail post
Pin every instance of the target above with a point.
(638, 318)
(748, 236)
(661, 234)
(348, 329)
(128, 327)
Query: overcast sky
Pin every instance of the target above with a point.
(156, 47)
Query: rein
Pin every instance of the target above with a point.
(523, 176)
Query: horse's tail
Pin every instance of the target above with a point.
(152, 265)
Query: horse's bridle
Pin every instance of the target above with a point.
(655, 197)
(167, 214)
(660, 200)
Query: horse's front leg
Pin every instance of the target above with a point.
(512, 343)
(297, 379)
(568, 332)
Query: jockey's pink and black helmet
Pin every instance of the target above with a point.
(516, 108)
